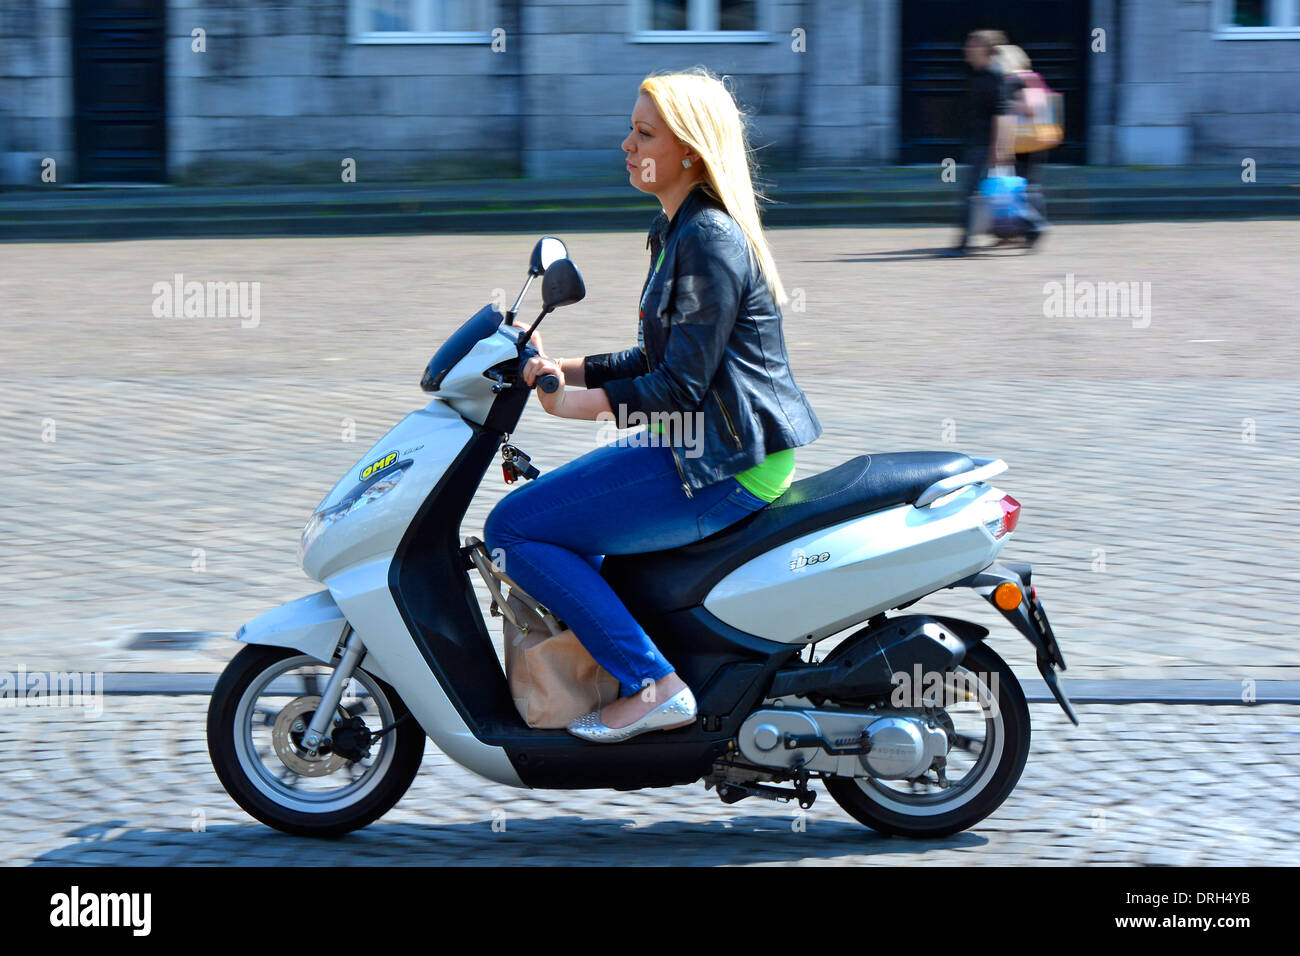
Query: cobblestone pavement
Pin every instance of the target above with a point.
(1135, 784)
(1155, 462)
(1156, 469)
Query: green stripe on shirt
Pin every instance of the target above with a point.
(769, 479)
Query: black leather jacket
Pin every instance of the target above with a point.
(709, 342)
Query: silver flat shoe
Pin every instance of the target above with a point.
(677, 711)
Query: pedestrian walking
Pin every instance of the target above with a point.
(990, 124)
(1016, 70)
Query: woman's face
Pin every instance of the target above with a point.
(654, 154)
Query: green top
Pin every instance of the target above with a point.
(769, 479)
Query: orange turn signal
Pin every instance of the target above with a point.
(1007, 596)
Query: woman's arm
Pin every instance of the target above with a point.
(1004, 138)
(589, 404)
(572, 372)
(592, 370)
(599, 369)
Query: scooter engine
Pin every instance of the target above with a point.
(844, 743)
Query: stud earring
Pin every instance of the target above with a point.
(686, 163)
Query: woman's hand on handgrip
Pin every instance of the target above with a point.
(540, 365)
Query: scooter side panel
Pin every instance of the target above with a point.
(430, 439)
(362, 592)
(464, 386)
(822, 582)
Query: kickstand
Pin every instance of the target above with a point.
(805, 795)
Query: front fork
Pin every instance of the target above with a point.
(321, 721)
(1029, 619)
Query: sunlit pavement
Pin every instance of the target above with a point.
(1137, 784)
(159, 470)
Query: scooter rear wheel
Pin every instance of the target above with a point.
(261, 703)
(898, 808)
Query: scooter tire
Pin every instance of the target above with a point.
(849, 792)
(242, 670)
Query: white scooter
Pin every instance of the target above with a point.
(915, 726)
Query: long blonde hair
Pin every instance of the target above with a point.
(1011, 58)
(701, 112)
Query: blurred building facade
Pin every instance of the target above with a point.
(266, 91)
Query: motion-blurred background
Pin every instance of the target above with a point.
(257, 91)
(379, 169)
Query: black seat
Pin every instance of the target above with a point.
(659, 581)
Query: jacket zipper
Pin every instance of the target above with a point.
(680, 474)
(727, 416)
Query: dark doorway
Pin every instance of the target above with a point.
(1054, 33)
(119, 85)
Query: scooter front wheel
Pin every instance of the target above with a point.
(260, 707)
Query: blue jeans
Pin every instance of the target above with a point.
(618, 499)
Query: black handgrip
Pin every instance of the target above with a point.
(548, 383)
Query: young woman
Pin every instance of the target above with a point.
(710, 363)
(1013, 63)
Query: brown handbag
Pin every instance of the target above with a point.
(553, 678)
(1041, 125)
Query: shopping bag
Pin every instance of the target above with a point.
(1004, 203)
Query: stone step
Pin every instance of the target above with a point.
(442, 216)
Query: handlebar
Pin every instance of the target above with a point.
(549, 382)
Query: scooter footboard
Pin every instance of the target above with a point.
(314, 625)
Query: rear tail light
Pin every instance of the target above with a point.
(1005, 521)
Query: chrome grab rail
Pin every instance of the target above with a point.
(985, 469)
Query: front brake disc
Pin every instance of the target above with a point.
(288, 741)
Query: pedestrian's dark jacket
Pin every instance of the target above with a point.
(710, 341)
(986, 97)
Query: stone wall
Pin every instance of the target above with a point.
(1242, 96)
(1187, 96)
(281, 94)
(271, 100)
(851, 83)
(582, 74)
(35, 91)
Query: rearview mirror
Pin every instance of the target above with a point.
(562, 285)
(546, 253)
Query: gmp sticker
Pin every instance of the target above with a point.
(378, 465)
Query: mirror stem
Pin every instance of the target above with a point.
(523, 339)
(510, 315)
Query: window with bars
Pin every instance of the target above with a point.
(676, 21)
(1257, 19)
(422, 21)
